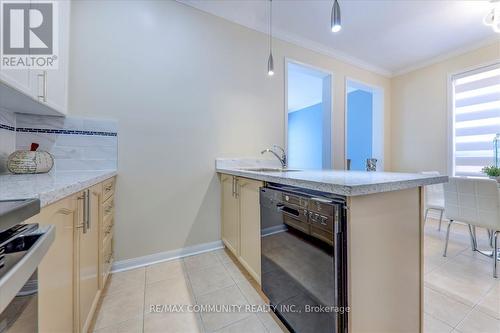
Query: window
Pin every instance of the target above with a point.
(475, 119)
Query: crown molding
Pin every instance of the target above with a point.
(305, 43)
(343, 57)
(449, 55)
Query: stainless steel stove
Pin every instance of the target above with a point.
(22, 247)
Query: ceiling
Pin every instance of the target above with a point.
(386, 36)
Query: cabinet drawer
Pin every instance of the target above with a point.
(108, 188)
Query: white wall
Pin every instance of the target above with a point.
(186, 87)
(420, 115)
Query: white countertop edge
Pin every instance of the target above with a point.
(340, 189)
(58, 191)
(49, 197)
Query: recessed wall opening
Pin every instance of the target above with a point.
(364, 125)
(308, 117)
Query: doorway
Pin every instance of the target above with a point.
(364, 126)
(308, 116)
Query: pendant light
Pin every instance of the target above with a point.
(270, 61)
(336, 23)
(492, 19)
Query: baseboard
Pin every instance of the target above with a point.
(125, 265)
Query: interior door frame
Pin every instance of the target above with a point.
(289, 60)
(382, 120)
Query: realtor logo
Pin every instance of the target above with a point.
(29, 34)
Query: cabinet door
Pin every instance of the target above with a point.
(20, 79)
(230, 215)
(249, 191)
(51, 86)
(56, 281)
(88, 258)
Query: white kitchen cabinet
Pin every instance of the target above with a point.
(48, 87)
(20, 79)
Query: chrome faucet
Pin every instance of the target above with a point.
(281, 157)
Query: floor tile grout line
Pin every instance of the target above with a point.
(473, 307)
(242, 293)
(449, 297)
(101, 308)
(188, 278)
(144, 299)
(246, 298)
(478, 308)
(440, 320)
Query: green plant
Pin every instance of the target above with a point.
(491, 171)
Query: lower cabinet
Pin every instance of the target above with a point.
(241, 221)
(88, 256)
(230, 214)
(70, 275)
(57, 285)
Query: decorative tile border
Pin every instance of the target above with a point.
(7, 127)
(63, 131)
(55, 131)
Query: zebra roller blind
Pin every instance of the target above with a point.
(476, 119)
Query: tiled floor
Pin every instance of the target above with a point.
(461, 295)
(209, 278)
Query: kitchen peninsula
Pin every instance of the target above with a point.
(383, 237)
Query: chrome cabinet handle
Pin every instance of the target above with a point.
(236, 192)
(234, 186)
(88, 209)
(43, 96)
(84, 224)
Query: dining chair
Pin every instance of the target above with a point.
(477, 203)
(434, 198)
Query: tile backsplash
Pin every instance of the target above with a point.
(7, 137)
(77, 144)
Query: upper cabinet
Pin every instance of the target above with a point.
(34, 89)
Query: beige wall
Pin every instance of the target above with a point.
(420, 113)
(186, 87)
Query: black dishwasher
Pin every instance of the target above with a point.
(304, 258)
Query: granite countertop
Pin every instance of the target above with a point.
(49, 187)
(348, 183)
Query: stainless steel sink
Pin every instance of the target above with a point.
(269, 169)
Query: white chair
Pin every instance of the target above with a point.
(477, 203)
(434, 198)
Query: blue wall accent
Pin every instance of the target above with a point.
(305, 137)
(359, 128)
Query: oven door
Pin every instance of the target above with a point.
(21, 315)
(298, 265)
